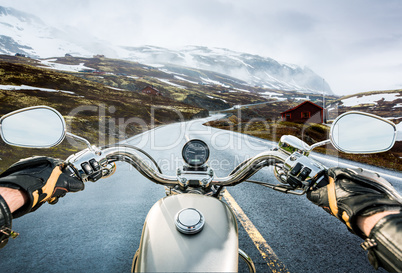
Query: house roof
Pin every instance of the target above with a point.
(307, 101)
(148, 86)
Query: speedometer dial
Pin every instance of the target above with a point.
(195, 153)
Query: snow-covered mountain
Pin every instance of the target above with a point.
(253, 69)
(27, 34)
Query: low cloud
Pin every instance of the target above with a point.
(353, 45)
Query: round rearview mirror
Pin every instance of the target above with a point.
(362, 133)
(33, 127)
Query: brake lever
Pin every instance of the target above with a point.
(297, 175)
(280, 187)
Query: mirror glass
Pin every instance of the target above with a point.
(34, 127)
(361, 133)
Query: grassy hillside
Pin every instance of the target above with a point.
(361, 94)
(382, 103)
(92, 109)
(133, 76)
(183, 85)
(264, 122)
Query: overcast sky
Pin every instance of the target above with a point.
(356, 45)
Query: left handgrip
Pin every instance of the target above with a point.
(88, 166)
(85, 172)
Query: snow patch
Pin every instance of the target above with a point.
(166, 71)
(301, 98)
(49, 63)
(27, 87)
(370, 99)
(171, 83)
(291, 66)
(211, 97)
(155, 65)
(183, 79)
(242, 90)
(241, 61)
(115, 88)
(271, 94)
(208, 80)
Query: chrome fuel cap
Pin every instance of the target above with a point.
(189, 221)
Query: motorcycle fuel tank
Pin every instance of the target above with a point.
(164, 248)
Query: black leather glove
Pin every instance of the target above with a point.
(5, 223)
(42, 179)
(348, 193)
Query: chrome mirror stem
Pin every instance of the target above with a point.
(90, 147)
(318, 144)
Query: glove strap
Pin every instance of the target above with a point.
(5, 223)
(334, 206)
(45, 193)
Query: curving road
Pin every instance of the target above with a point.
(98, 230)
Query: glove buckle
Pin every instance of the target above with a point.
(368, 243)
(9, 232)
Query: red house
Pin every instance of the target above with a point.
(150, 90)
(306, 112)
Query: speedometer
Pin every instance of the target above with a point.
(195, 153)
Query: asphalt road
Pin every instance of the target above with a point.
(98, 230)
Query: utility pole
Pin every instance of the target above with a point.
(324, 116)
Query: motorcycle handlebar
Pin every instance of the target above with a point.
(129, 155)
(126, 153)
(249, 167)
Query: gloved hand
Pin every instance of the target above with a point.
(42, 179)
(349, 193)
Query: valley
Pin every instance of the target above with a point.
(108, 95)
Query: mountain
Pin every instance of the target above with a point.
(253, 69)
(27, 34)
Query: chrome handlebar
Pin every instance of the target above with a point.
(84, 165)
(250, 167)
(130, 156)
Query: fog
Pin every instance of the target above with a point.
(355, 45)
